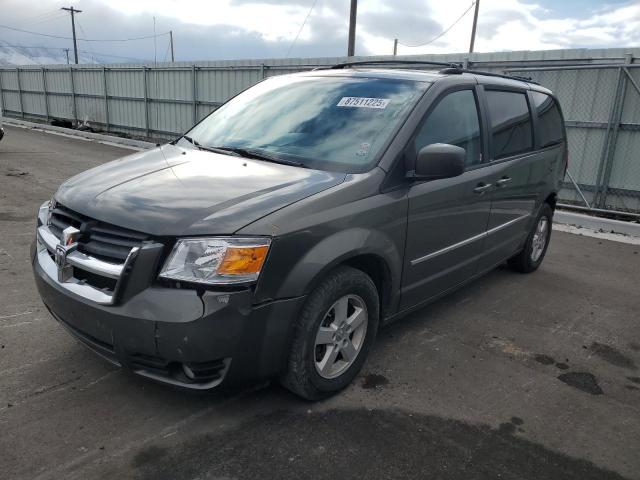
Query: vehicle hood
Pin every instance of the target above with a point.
(171, 191)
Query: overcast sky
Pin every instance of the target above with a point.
(234, 29)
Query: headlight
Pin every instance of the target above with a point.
(216, 261)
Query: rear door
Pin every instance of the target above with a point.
(550, 139)
(447, 218)
(518, 173)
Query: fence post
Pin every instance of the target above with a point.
(262, 70)
(44, 91)
(74, 110)
(1, 94)
(608, 155)
(195, 94)
(106, 98)
(19, 93)
(146, 101)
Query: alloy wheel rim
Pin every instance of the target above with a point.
(539, 239)
(340, 336)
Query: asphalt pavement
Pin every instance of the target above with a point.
(513, 377)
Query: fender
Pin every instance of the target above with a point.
(305, 272)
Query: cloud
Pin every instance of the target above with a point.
(410, 19)
(490, 25)
(236, 29)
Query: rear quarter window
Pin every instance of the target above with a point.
(550, 129)
(511, 126)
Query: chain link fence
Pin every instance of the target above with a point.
(599, 92)
(601, 105)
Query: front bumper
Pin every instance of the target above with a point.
(178, 336)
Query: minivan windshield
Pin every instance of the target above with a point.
(326, 123)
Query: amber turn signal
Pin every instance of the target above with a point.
(243, 260)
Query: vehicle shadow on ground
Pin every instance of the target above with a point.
(294, 439)
(262, 431)
(358, 443)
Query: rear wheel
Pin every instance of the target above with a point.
(531, 256)
(333, 335)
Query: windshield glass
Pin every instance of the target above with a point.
(337, 123)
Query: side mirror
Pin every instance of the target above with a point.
(439, 160)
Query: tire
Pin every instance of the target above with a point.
(311, 373)
(535, 248)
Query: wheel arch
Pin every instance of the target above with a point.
(369, 251)
(376, 268)
(552, 199)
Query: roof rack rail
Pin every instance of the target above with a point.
(339, 66)
(456, 70)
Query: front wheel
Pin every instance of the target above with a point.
(333, 335)
(531, 256)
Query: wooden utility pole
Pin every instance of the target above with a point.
(395, 47)
(352, 29)
(73, 11)
(475, 24)
(171, 41)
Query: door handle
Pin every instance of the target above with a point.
(503, 181)
(482, 187)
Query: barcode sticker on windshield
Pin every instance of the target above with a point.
(363, 102)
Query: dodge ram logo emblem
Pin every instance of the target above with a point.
(68, 243)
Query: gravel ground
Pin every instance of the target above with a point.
(515, 376)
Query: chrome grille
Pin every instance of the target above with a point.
(96, 258)
(98, 239)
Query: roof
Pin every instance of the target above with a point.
(430, 74)
(396, 73)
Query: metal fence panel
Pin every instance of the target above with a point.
(61, 105)
(33, 104)
(58, 81)
(31, 80)
(10, 79)
(11, 102)
(126, 113)
(600, 101)
(90, 109)
(88, 81)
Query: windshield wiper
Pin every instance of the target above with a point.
(261, 155)
(198, 145)
(245, 152)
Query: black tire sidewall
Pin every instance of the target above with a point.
(545, 210)
(343, 281)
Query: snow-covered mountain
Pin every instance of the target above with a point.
(18, 55)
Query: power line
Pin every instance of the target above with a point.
(29, 46)
(166, 53)
(88, 46)
(83, 39)
(443, 32)
(301, 27)
(98, 54)
(49, 20)
(52, 16)
(38, 17)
